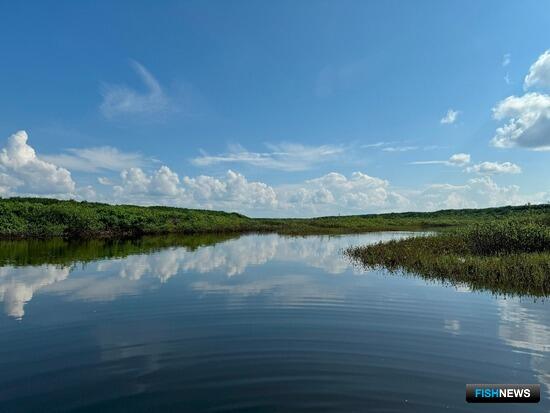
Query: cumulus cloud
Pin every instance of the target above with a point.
(528, 123)
(23, 171)
(163, 182)
(330, 194)
(459, 159)
(539, 72)
(476, 193)
(450, 117)
(96, 159)
(527, 117)
(488, 168)
(123, 100)
(284, 156)
(334, 192)
(231, 192)
(103, 180)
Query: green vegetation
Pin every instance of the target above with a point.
(47, 218)
(41, 218)
(510, 256)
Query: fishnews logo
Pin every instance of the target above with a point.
(503, 393)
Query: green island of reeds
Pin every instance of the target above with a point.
(510, 256)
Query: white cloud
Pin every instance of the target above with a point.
(527, 117)
(330, 194)
(458, 159)
(232, 192)
(97, 159)
(123, 100)
(506, 59)
(399, 148)
(528, 123)
(336, 193)
(375, 145)
(539, 72)
(450, 117)
(23, 171)
(163, 183)
(483, 168)
(476, 193)
(105, 181)
(487, 168)
(283, 156)
(87, 193)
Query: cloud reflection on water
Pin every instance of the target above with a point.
(108, 279)
(527, 331)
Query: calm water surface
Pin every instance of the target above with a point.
(260, 323)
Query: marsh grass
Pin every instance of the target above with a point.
(508, 257)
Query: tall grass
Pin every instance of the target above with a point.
(505, 257)
(508, 237)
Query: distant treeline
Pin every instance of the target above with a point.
(46, 218)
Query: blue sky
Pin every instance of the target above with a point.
(277, 108)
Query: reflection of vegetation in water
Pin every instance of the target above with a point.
(39, 217)
(67, 252)
(510, 257)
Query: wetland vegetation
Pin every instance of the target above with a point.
(510, 256)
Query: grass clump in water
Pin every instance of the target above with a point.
(509, 257)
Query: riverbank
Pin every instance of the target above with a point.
(507, 256)
(46, 218)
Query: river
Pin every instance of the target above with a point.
(257, 323)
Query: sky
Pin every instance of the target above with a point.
(277, 108)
